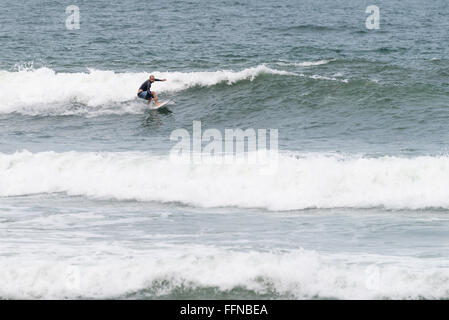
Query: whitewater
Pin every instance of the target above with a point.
(158, 272)
(48, 92)
(297, 182)
(45, 87)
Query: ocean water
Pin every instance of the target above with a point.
(93, 207)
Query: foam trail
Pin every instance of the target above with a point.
(319, 77)
(304, 63)
(33, 91)
(306, 181)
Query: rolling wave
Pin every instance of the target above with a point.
(36, 91)
(298, 181)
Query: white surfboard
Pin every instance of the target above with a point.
(161, 105)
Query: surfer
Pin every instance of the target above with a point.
(144, 90)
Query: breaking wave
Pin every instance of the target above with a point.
(35, 91)
(297, 181)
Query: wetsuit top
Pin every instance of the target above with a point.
(146, 86)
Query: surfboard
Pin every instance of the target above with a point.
(161, 105)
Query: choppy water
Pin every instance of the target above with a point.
(92, 207)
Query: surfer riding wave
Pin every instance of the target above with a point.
(144, 90)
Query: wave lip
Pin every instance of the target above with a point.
(300, 182)
(35, 91)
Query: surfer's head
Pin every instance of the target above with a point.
(151, 78)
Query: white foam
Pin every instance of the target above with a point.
(35, 91)
(307, 181)
(319, 77)
(304, 63)
(300, 273)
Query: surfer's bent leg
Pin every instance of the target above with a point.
(146, 95)
(150, 96)
(153, 93)
(142, 95)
